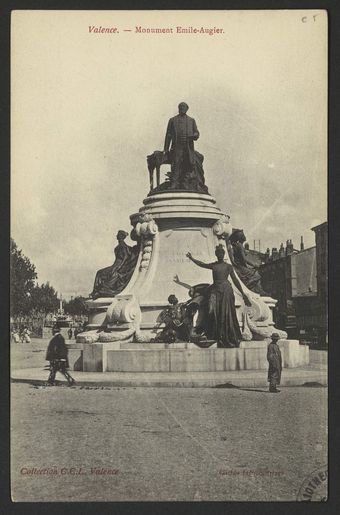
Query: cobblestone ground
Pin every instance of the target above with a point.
(164, 444)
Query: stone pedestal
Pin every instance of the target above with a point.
(75, 356)
(187, 357)
(169, 224)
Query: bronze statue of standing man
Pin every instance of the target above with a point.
(181, 133)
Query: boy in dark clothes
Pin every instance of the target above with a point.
(56, 354)
(275, 363)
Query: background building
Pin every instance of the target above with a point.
(298, 279)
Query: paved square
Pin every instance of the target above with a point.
(115, 444)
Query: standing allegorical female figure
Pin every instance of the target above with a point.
(222, 312)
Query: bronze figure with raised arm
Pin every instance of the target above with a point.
(222, 311)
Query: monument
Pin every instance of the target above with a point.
(129, 308)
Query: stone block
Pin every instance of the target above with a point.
(293, 354)
(106, 348)
(92, 357)
(240, 359)
(261, 344)
(305, 354)
(75, 359)
(196, 361)
(95, 355)
(255, 358)
(137, 361)
(230, 359)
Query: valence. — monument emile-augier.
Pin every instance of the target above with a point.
(130, 297)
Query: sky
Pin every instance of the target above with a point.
(87, 108)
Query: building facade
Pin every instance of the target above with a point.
(298, 279)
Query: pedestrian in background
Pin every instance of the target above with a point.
(70, 333)
(16, 337)
(275, 364)
(25, 336)
(57, 355)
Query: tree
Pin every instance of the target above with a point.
(44, 298)
(23, 276)
(27, 297)
(76, 306)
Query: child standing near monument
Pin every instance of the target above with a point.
(275, 364)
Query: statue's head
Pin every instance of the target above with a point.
(121, 235)
(172, 299)
(182, 108)
(220, 252)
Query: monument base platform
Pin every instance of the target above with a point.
(185, 357)
(302, 376)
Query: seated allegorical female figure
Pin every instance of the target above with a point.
(248, 274)
(112, 280)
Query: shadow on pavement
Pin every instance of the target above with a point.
(313, 384)
(230, 385)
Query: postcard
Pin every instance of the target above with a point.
(169, 252)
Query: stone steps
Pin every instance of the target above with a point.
(312, 376)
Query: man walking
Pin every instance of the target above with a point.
(275, 364)
(57, 355)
